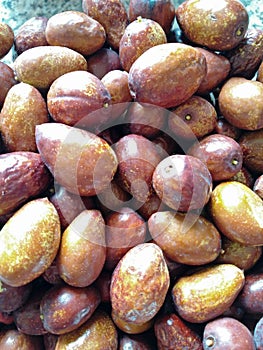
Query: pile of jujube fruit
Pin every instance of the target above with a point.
(131, 178)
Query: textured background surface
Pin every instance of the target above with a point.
(16, 12)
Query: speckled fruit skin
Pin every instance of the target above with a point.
(161, 11)
(197, 113)
(29, 243)
(221, 154)
(240, 102)
(112, 15)
(138, 37)
(7, 77)
(40, 66)
(137, 157)
(65, 308)
(30, 34)
(22, 175)
(98, 333)
(79, 160)
(208, 293)
(172, 333)
(75, 30)
(6, 38)
(82, 251)
(166, 75)
(246, 58)
(23, 109)
(217, 24)
(139, 284)
(237, 212)
(227, 333)
(200, 244)
(73, 97)
(218, 68)
(182, 182)
(252, 148)
(19, 340)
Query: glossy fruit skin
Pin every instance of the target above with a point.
(207, 293)
(227, 333)
(222, 155)
(229, 209)
(197, 245)
(82, 244)
(195, 117)
(173, 334)
(75, 30)
(112, 15)
(6, 38)
(124, 230)
(7, 77)
(73, 97)
(246, 58)
(252, 148)
(163, 12)
(23, 176)
(243, 111)
(243, 256)
(31, 34)
(258, 186)
(65, 308)
(182, 182)
(11, 298)
(250, 298)
(40, 66)
(138, 289)
(99, 332)
(23, 109)
(219, 25)
(12, 339)
(156, 76)
(139, 36)
(218, 68)
(137, 158)
(29, 243)
(103, 61)
(79, 160)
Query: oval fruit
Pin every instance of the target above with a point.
(182, 182)
(139, 284)
(79, 160)
(240, 103)
(219, 25)
(112, 15)
(23, 109)
(75, 30)
(252, 148)
(207, 293)
(251, 297)
(221, 154)
(166, 75)
(237, 212)
(99, 332)
(40, 66)
(227, 333)
(23, 175)
(6, 39)
(82, 245)
(170, 330)
(73, 97)
(29, 243)
(8, 80)
(198, 245)
(30, 34)
(64, 308)
(138, 37)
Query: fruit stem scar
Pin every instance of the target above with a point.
(209, 342)
(188, 117)
(235, 162)
(239, 31)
